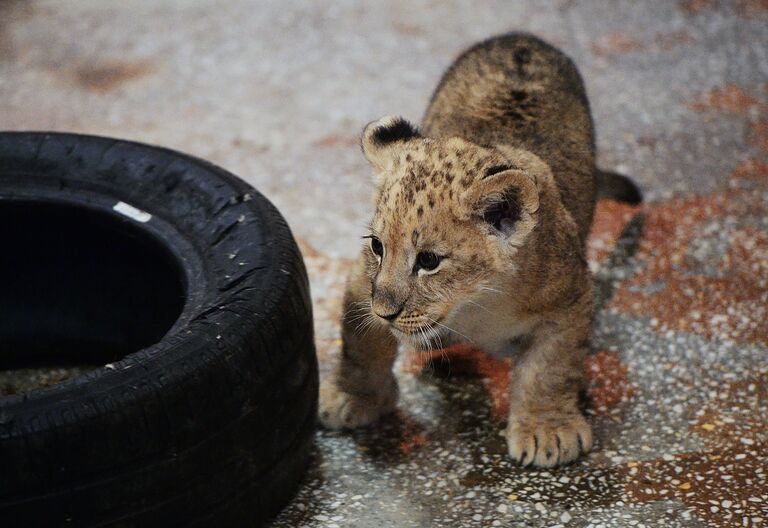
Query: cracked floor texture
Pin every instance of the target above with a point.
(277, 93)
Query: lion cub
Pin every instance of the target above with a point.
(479, 237)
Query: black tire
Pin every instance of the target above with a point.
(211, 425)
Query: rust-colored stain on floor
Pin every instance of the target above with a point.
(705, 264)
(729, 98)
(615, 44)
(465, 360)
(103, 76)
(696, 6)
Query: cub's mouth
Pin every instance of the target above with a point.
(423, 337)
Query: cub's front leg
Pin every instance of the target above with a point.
(362, 387)
(546, 427)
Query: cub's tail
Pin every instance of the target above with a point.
(615, 186)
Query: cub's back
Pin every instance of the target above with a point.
(518, 90)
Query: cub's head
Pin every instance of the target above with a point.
(450, 217)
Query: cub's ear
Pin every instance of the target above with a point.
(506, 199)
(379, 137)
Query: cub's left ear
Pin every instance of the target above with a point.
(379, 138)
(506, 199)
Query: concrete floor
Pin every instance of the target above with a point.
(277, 92)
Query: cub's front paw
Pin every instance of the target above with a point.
(340, 409)
(548, 441)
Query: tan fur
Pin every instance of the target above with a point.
(509, 119)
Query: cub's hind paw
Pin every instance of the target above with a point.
(343, 410)
(548, 442)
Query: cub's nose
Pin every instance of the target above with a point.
(387, 302)
(390, 316)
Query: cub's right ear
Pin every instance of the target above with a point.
(381, 136)
(507, 199)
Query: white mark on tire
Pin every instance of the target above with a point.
(132, 213)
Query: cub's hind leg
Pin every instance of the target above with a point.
(362, 387)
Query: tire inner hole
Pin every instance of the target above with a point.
(80, 288)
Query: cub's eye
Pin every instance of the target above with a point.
(427, 260)
(377, 247)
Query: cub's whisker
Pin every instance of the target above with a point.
(451, 329)
(439, 339)
(365, 325)
(470, 301)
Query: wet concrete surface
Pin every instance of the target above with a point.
(277, 92)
